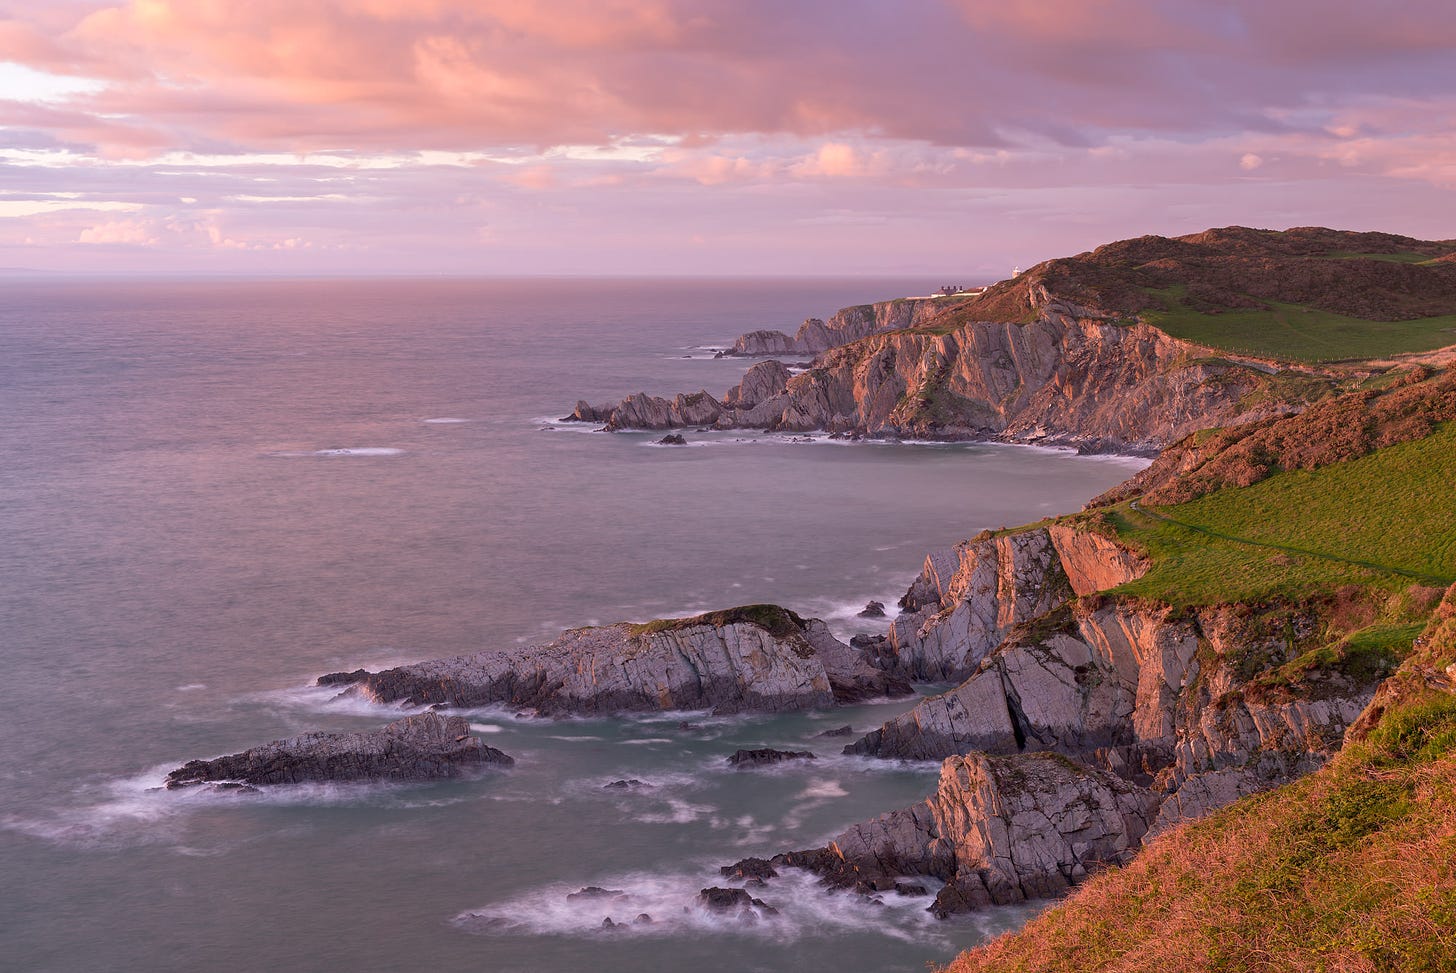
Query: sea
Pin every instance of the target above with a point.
(214, 490)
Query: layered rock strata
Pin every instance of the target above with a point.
(1084, 725)
(997, 830)
(845, 325)
(755, 659)
(423, 747)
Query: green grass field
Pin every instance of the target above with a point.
(1299, 333)
(1386, 520)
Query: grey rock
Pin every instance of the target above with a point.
(424, 747)
(736, 901)
(728, 661)
(766, 756)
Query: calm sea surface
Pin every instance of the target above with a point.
(213, 491)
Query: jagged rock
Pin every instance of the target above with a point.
(909, 889)
(873, 609)
(424, 747)
(764, 381)
(623, 785)
(968, 602)
(758, 658)
(998, 830)
(596, 892)
(846, 325)
(586, 412)
(749, 868)
(766, 756)
(735, 901)
(838, 731)
(341, 678)
(672, 439)
(643, 919)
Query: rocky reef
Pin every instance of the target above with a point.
(758, 658)
(416, 748)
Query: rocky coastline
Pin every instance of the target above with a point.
(1082, 723)
(1074, 377)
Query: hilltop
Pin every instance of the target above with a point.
(1305, 294)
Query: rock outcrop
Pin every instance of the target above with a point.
(759, 658)
(766, 757)
(424, 747)
(997, 830)
(1133, 712)
(846, 325)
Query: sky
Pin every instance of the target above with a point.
(954, 138)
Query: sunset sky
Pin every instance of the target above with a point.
(940, 137)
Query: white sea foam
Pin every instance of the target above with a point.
(485, 728)
(191, 687)
(806, 910)
(443, 421)
(339, 451)
(823, 789)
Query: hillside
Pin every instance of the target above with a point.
(1307, 294)
(1352, 868)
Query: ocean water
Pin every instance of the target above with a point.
(212, 491)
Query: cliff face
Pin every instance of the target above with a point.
(846, 325)
(1084, 725)
(1069, 378)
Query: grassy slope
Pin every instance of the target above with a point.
(1306, 334)
(1354, 867)
(1384, 520)
(1350, 869)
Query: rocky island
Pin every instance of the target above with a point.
(416, 748)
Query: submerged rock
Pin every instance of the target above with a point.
(424, 747)
(595, 892)
(838, 731)
(749, 868)
(735, 901)
(758, 658)
(672, 439)
(766, 756)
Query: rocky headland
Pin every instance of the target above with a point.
(1121, 349)
(417, 748)
(758, 658)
